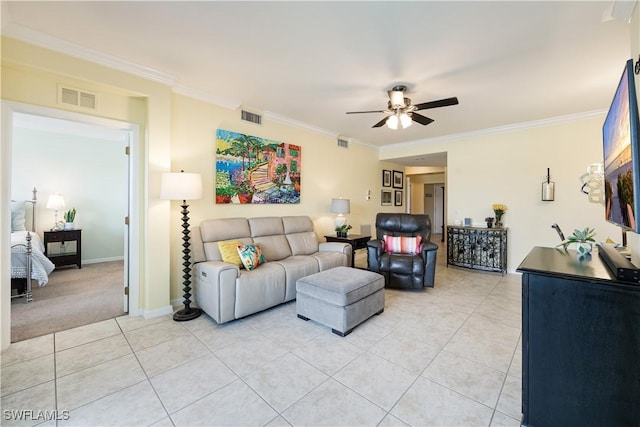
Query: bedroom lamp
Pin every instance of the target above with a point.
(340, 206)
(183, 186)
(55, 202)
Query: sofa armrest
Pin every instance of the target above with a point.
(374, 252)
(345, 248)
(215, 289)
(429, 251)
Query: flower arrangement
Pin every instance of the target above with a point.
(499, 209)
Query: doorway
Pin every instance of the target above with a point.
(14, 115)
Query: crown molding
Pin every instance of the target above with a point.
(501, 129)
(206, 97)
(37, 38)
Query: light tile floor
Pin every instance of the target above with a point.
(448, 356)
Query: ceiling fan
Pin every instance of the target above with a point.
(401, 112)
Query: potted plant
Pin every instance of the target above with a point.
(224, 194)
(69, 217)
(341, 230)
(583, 239)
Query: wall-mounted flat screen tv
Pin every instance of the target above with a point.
(622, 154)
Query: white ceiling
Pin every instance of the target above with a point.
(508, 62)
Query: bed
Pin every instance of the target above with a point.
(27, 251)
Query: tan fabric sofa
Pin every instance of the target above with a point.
(290, 246)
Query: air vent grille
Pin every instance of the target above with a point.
(77, 97)
(344, 143)
(248, 116)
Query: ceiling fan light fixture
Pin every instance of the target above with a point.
(397, 98)
(392, 122)
(405, 120)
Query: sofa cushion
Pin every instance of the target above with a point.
(251, 256)
(274, 248)
(296, 224)
(214, 230)
(259, 289)
(229, 252)
(304, 243)
(265, 226)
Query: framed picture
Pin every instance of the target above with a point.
(398, 201)
(398, 179)
(385, 199)
(386, 178)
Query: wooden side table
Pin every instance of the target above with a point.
(356, 241)
(64, 236)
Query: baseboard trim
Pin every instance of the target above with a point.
(99, 260)
(158, 312)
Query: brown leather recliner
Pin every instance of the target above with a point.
(403, 270)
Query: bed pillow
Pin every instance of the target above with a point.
(251, 256)
(18, 216)
(229, 252)
(402, 244)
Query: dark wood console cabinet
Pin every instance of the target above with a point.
(477, 248)
(580, 342)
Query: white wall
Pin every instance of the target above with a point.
(91, 175)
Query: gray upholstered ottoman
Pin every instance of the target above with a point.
(341, 298)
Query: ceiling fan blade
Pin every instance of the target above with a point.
(435, 104)
(381, 122)
(420, 118)
(373, 111)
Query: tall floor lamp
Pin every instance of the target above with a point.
(183, 186)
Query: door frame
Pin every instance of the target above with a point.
(9, 108)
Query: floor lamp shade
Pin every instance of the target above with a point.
(180, 186)
(183, 186)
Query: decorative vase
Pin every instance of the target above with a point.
(341, 233)
(68, 226)
(498, 220)
(490, 224)
(583, 248)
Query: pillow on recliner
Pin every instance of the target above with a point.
(251, 256)
(229, 252)
(402, 244)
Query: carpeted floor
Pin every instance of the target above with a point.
(73, 297)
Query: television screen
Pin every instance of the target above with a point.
(621, 151)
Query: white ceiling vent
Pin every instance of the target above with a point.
(248, 116)
(77, 97)
(343, 142)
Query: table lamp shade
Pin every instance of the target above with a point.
(180, 186)
(55, 202)
(340, 206)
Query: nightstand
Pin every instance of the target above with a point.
(64, 237)
(356, 242)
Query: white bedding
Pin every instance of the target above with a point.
(41, 266)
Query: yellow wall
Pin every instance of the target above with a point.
(328, 171)
(177, 133)
(509, 167)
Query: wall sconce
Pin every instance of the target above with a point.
(548, 189)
